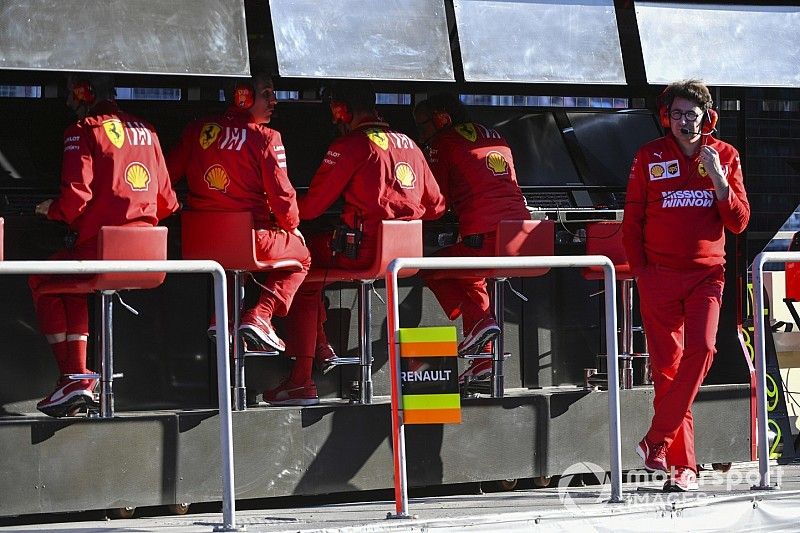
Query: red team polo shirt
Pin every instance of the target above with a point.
(475, 172)
(233, 163)
(113, 174)
(381, 174)
(672, 215)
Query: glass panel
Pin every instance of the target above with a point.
(755, 46)
(540, 41)
(205, 37)
(399, 40)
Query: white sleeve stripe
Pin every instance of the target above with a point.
(281, 165)
(279, 148)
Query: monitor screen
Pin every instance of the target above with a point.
(540, 155)
(610, 140)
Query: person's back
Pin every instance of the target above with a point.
(475, 170)
(113, 174)
(234, 163)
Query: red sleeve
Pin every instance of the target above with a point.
(280, 193)
(634, 218)
(432, 198)
(178, 157)
(330, 180)
(76, 176)
(735, 210)
(167, 203)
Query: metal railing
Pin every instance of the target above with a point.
(223, 362)
(759, 331)
(509, 263)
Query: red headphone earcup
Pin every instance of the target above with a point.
(663, 117)
(441, 120)
(82, 93)
(340, 112)
(710, 121)
(243, 96)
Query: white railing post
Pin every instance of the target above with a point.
(759, 333)
(223, 363)
(510, 263)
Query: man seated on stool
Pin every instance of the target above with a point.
(112, 174)
(475, 171)
(381, 175)
(234, 162)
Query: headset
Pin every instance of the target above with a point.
(441, 120)
(83, 92)
(340, 111)
(707, 126)
(244, 95)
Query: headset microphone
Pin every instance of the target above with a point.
(686, 131)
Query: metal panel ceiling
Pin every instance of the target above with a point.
(540, 41)
(190, 37)
(738, 45)
(362, 39)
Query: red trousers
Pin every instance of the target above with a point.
(64, 318)
(458, 296)
(280, 287)
(307, 313)
(680, 312)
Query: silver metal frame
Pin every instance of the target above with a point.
(473, 263)
(759, 332)
(223, 363)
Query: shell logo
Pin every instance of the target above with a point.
(404, 175)
(217, 179)
(702, 170)
(137, 176)
(656, 171)
(496, 163)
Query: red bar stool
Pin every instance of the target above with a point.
(513, 238)
(605, 238)
(396, 238)
(114, 243)
(229, 238)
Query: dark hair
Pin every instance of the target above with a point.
(102, 84)
(231, 84)
(446, 102)
(359, 95)
(693, 90)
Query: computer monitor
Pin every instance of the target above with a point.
(609, 141)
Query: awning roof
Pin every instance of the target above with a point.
(540, 41)
(737, 45)
(186, 37)
(397, 40)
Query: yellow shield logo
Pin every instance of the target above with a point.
(496, 163)
(404, 175)
(656, 171)
(217, 178)
(137, 176)
(379, 138)
(115, 132)
(467, 131)
(208, 134)
(702, 170)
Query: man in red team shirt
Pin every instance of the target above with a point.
(475, 171)
(234, 162)
(685, 190)
(113, 174)
(381, 175)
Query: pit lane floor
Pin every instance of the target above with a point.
(724, 503)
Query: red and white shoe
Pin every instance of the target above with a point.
(259, 333)
(478, 370)
(484, 331)
(653, 455)
(212, 329)
(289, 393)
(69, 397)
(682, 480)
(324, 355)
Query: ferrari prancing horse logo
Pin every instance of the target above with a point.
(115, 132)
(208, 134)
